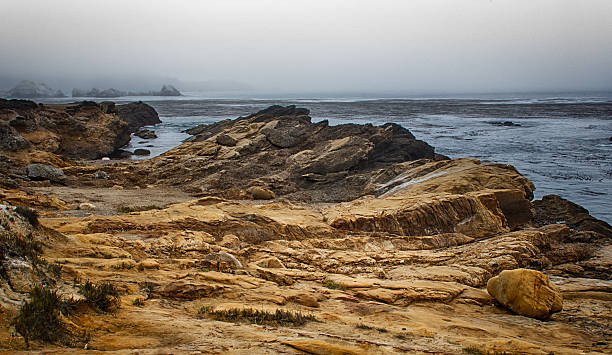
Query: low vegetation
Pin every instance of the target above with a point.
(15, 245)
(138, 302)
(262, 317)
(102, 297)
(40, 318)
(128, 209)
(334, 285)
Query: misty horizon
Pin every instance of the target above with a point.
(417, 47)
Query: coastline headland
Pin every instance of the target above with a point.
(270, 233)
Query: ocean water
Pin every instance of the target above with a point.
(561, 142)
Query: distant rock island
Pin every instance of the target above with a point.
(166, 90)
(31, 89)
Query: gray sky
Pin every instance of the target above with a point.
(294, 45)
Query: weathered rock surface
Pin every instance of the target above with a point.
(80, 130)
(399, 264)
(527, 292)
(45, 172)
(280, 149)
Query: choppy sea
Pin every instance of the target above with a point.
(562, 142)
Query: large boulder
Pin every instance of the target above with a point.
(526, 292)
(138, 114)
(45, 172)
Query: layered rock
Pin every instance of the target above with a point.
(399, 265)
(280, 149)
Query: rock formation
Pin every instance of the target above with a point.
(138, 114)
(50, 134)
(166, 90)
(30, 89)
(527, 292)
(387, 246)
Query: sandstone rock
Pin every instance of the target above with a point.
(189, 290)
(45, 172)
(526, 292)
(270, 263)
(226, 140)
(305, 300)
(261, 193)
(217, 258)
(87, 206)
(148, 264)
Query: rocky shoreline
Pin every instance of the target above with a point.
(385, 246)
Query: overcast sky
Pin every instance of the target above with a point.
(293, 45)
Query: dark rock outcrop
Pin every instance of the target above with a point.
(138, 114)
(553, 209)
(10, 139)
(280, 149)
(145, 134)
(85, 129)
(141, 151)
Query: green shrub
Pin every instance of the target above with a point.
(40, 317)
(102, 296)
(138, 302)
(249, 315)
(334, 285)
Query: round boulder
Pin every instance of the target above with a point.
(45, 172)
(261, 193)
(141, 151)
(526, 292)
